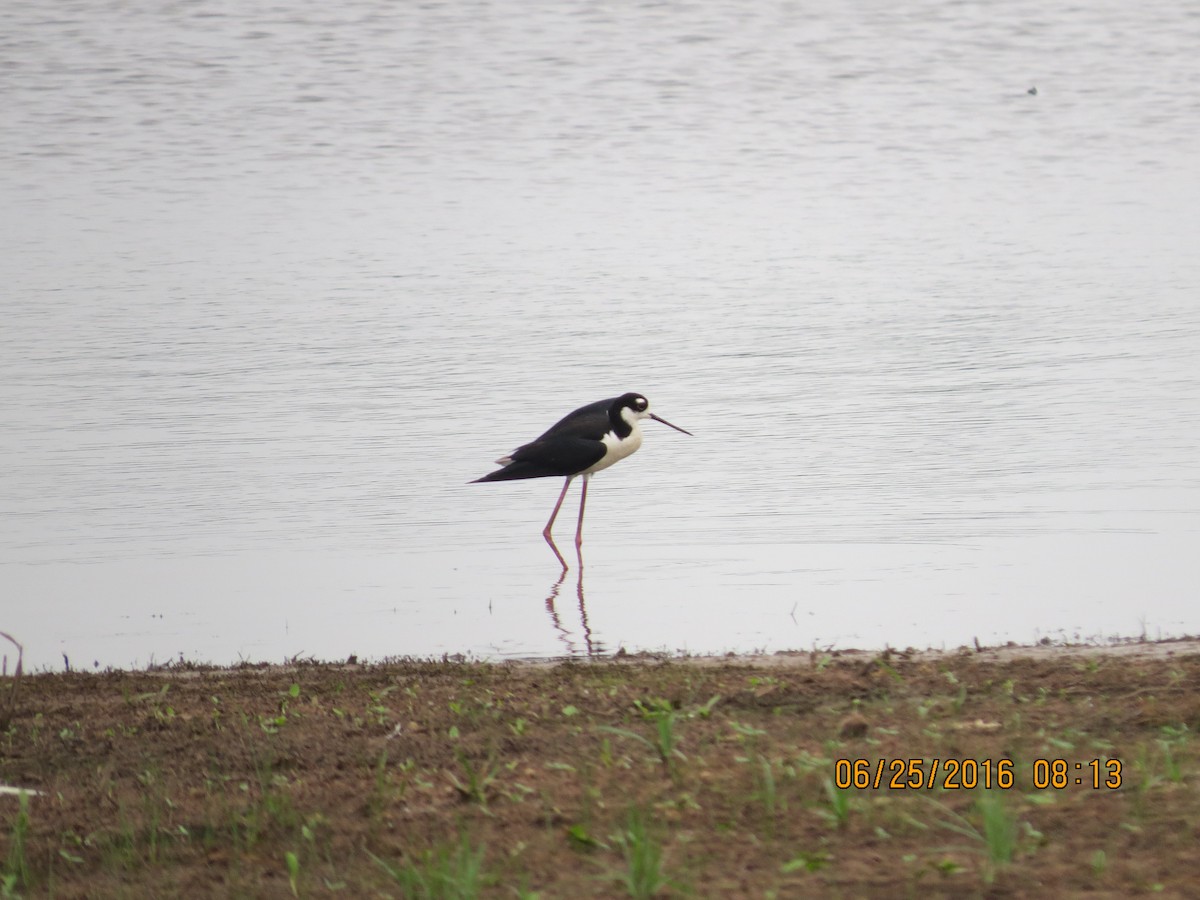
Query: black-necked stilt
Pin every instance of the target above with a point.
(588, 440)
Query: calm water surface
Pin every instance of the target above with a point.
(278, 283)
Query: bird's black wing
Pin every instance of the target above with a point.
(550, 456)
(589, 421)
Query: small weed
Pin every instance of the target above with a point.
(315, 827)
(665, 742)
(767, 793)
(997, 842)
(384, 792)
(809, 764)
(479, 779)
(882, 663)
(581, 837)
(807, 862)
(1061, 744)
(272, 724)
(643, 874)
(293, 869)
(268, 808)
(445, 872)
(16, 866)
(1171, 765)
(156, 700)
(377, 799)
(839, 804)
(216, 712)
(376, 709)
(1148, 781)
(155, 803)
(946, 867)
(1174, 737)
(960, 699)
(747, 731)
(707, 708)
(999, 829)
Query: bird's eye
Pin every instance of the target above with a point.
(641, 403)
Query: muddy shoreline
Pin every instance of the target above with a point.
(1059, 770)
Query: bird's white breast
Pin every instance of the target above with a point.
(616, 449)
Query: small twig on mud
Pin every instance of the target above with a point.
(8, 708)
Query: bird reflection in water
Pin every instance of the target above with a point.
(590, 646)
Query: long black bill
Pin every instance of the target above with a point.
(669, 425)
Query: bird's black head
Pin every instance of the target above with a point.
(635, 402)
(628, 409)
(621, 421)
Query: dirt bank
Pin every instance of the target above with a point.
(784, 776)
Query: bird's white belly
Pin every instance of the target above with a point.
(616, 450)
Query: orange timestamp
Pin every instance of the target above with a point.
(968, 774)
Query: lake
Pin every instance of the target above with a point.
(921, 278)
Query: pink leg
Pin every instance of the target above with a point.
(582, 504)
(554, 515)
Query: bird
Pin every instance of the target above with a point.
(582, 443)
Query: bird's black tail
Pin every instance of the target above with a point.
(522, 469)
